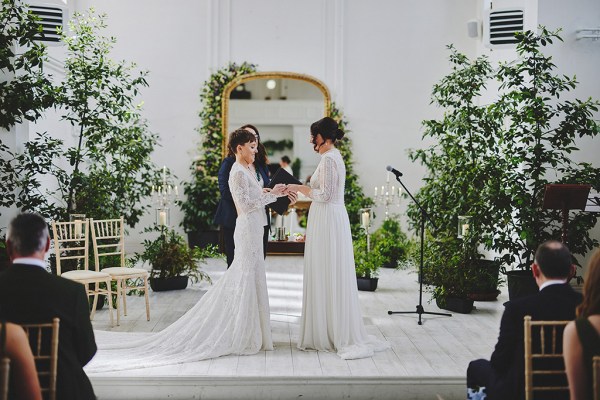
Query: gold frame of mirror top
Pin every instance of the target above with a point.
(264, 75)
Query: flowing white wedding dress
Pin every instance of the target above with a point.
(232, 317)
(331, 319)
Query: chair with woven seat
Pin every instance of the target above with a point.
(71, 242)
(108, 239)
(543, 344)
(43, 339)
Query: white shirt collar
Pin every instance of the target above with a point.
(552, 282)
(31, 261)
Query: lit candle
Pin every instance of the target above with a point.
(388, 177)
(382, 190)
(365, 219)
(164, 173)
(465, 229)
(169, 190)
(393, 191)
(375, 191)
(176, 192)
(77, 228)
(162, 218)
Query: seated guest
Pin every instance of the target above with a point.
(285, 164)
(581, 341)
(503, 375)
(29, 294)
(23, 375)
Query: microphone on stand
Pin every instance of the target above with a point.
(394, 171)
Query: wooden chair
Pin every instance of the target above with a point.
(550, 348)
(108, 239)
(4, 364)
(43, 339)
(596, 377)
(71, 242)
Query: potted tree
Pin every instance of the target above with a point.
(492, 161)
(173, 262)
(367, 263)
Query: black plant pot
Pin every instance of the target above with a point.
(173, 283)
(367, 284)
(456, 304)
(202, 239)
(520, 283)
(487, 287)
(390, 264)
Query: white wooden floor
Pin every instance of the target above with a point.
(425, 361)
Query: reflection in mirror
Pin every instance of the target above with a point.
(282, 106)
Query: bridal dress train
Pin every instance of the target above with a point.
(331, 318)
(232, 317)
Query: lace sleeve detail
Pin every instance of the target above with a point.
(327, 181)
(240, 190)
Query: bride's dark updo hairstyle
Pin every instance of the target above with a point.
(239, 137)
(328, 129)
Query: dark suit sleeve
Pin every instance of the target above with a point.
(511, 334)
(224, 178)
(85, 343)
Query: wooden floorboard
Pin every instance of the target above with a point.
(438, 351)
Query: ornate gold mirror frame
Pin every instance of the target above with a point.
(265, 75)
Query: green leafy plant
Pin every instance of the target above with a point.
(202, 191)
(170, 256)
(278, 145)
(492, 161)
(110, 169)
(367, 262)
(391, 242)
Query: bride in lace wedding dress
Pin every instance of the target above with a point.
(233, 316)
(331, 318)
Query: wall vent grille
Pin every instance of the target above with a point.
(502, 26)
(50, 19)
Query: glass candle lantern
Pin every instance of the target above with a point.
(464, 224)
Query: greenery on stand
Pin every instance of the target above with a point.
(202, 191)
(491, 162)
(391, 242)
(170, 256)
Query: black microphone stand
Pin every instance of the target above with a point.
(420, 309)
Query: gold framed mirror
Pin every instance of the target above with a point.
(282, 105)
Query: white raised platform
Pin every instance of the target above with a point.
(426, 361)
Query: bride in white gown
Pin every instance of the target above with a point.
(233, 316)
(331, 319)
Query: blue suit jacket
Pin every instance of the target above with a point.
(226, 213)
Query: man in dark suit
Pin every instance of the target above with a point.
(29, 294)
(503, 376)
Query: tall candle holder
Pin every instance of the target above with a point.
(366, 216)
(163, 196)
(389, 195)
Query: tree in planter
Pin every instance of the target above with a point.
(391, 242)
(109, 170)
(492, 162)
(538, 140)
(25, 90)
(367, 264)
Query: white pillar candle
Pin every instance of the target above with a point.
(78, 229)
(162, 218)
(375, 191)
(465, 229)
(365, 219)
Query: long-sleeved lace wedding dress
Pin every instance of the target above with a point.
(232, 317)
(331, 318)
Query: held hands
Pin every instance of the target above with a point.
(278, 190)
(293, 196)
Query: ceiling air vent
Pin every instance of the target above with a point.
(502, 25)
(51, 17)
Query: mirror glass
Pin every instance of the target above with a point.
(282, 106)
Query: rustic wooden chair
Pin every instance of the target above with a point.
(71, 242)
(550, 350)
(108, 239)
(596, 377)
(4, 364)
(43, 339)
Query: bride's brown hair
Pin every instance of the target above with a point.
(239, 137)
